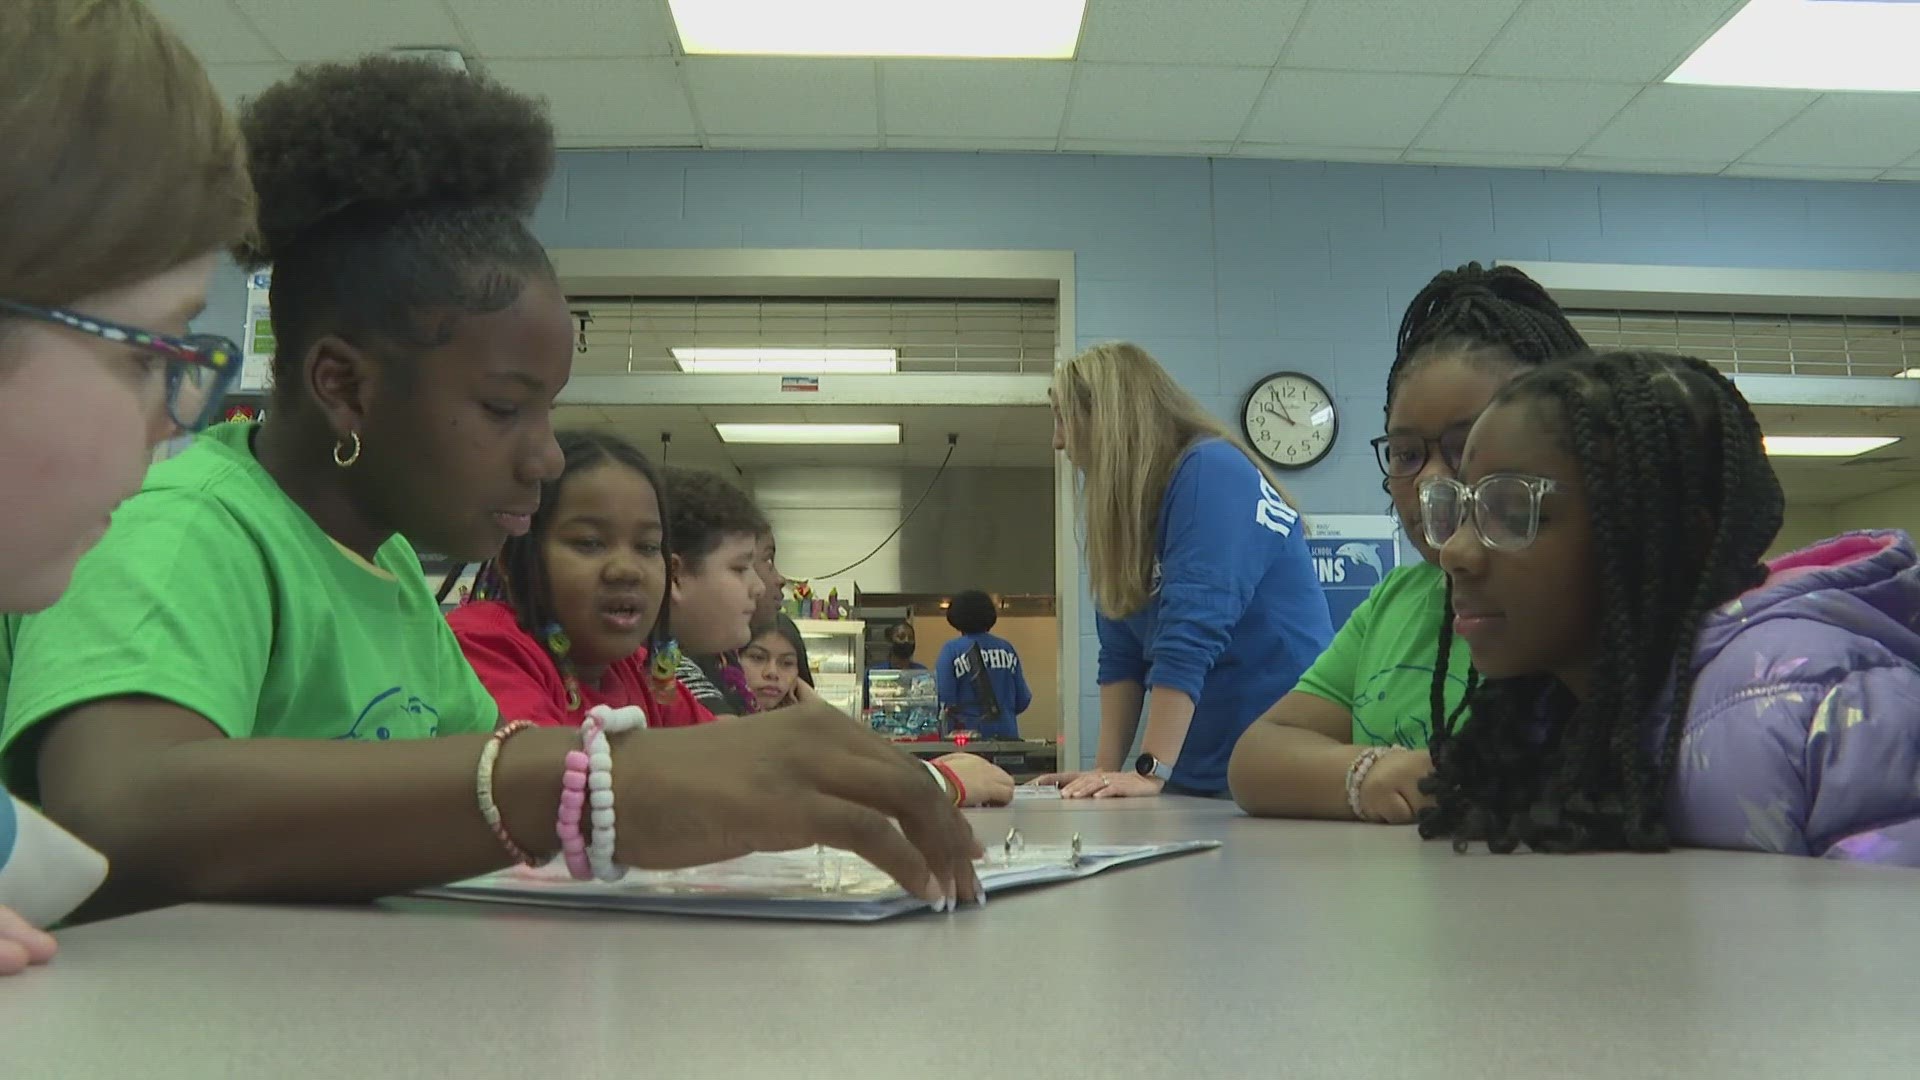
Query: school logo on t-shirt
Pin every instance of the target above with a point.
(394, 714)
(1273, 511)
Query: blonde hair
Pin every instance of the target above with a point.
(118, 160)
(1126, 424)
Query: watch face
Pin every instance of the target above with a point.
(1144, 764)
(1290, 420)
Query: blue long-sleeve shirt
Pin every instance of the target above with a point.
(1236, 614)
(954, 679)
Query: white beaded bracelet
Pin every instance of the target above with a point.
(600, 783)
(1357, 775)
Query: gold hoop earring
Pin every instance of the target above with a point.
(346, 461)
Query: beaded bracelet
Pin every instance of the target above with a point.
(483, 789)
(1357, 775)
(600, 783)
(573, 799)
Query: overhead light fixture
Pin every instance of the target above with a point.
(1835, 446)
(1910, 373)
(781, 361)
(1811, 45)
(810, 434)
(970, 29)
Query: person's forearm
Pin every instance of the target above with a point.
(1119, 721)
(224, 819)
(1282, 771)
(1169, 714)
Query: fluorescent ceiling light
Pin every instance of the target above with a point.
(1825, 445)
(1811, 45)
(977, 29)
(1910, 373)
(811, 434)
(788, 361)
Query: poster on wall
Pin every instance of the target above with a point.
(1351, 553)
(256, 364)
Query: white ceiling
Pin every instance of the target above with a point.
(1003, 437)
(1828, 481)
(1526, 83)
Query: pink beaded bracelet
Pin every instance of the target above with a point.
(573, 799)
(606, 722)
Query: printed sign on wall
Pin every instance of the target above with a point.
(1351, 553)
(256, 366)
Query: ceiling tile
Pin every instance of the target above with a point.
(1846, 129)
(1513, 116)
(1005, 99)
(1162, 103)
(305, 31)
(1696, 122)
(1623, 40)
(236, 83)
(641, 99)
(214, 32)
(1397, 35)
(1345, 108)
(1292, 152)
(784, 97)
(1804, 172)
(1248, 33)
(516, 29)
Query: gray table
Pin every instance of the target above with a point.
(1298, 950)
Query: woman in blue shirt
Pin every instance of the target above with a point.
(982, 686)
(1208, 602)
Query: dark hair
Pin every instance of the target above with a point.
(972, 612)
(393, 198)
(706, 509)
(787, 631)
(1684, 505)
(118, 160)
(1471, 311)
(518, 575)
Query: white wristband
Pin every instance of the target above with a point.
(938, 777)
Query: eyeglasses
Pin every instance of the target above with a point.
(1505, 509)
(1401, 456)
(201, 368)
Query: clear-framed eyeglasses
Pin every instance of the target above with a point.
(1504, 509)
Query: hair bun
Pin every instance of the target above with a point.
(389, 133)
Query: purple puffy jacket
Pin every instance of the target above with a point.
(1803, 735)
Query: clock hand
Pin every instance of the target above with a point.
(1279, 411)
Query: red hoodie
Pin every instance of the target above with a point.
(521, 675)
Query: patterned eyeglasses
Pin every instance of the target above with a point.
(201, 368)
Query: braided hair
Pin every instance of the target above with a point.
(518, 575)
(1478, 312)
(1684, 505)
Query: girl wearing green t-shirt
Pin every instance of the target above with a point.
(1350, 740)
(250, 691)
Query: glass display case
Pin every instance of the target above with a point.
(836, 649)
(903, 704)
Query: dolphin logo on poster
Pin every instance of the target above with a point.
(1364, 554)
(1351, 554)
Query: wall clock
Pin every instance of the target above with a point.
(1290, 420)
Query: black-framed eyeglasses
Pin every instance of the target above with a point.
(1504, 509)
(1401, 456)
(201, 368)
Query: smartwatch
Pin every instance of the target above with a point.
(1148, 765)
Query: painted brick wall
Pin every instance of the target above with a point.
(1226, 270)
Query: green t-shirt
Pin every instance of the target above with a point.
(214, 591)
(1380, 665)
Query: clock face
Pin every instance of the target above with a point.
(1290, 420)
